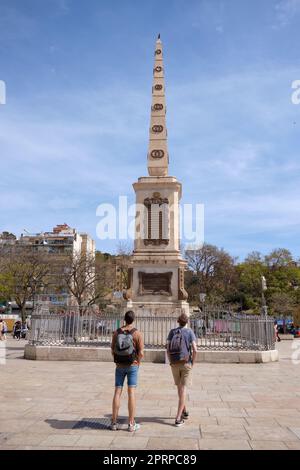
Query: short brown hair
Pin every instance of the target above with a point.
(183, 319)
(129, 317)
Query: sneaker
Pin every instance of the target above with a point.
(113, 426)
(179, 423)
(185, 414)
(133, 427)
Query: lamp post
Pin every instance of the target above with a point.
(264, 308)
(204, 325)
(202, 297)
(34, 286)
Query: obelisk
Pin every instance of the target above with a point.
(156, 272)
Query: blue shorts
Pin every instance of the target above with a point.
(132, 376)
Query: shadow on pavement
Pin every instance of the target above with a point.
(102, 423)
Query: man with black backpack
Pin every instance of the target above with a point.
(182, 350)
(128, 350)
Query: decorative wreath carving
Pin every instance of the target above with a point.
(158, 68)
(158, 51)
(158, 87)
(157, 107)
(157, 128)
(157, 153)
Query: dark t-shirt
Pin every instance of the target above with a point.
(188, 336)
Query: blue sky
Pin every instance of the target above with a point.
(74, 131)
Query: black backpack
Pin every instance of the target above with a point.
(124, 350)
(178, 349)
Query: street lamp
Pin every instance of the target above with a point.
(202, 297)
(264, 308)
(204, 319)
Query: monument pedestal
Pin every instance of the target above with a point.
(157, 309)
(156, 285)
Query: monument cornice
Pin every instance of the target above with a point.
(162, 183)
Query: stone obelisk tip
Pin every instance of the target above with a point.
(158, 157)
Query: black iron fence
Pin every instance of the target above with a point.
(214, 329)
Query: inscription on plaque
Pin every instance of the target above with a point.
(155, 283)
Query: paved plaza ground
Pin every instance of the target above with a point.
(67, 405)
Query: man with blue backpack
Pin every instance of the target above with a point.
(182, 350)
(127, 348)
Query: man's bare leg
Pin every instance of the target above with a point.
(116, 404)
(131, 404)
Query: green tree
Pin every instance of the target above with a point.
(212, 271)
(22, 274)
(249, 284)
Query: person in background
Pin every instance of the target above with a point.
(17, 330)
(3, 329)
(24, 329)
(277, 337)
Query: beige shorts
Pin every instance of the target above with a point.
(182, 374)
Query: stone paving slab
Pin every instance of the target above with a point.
(293, 445)
(97, 441)
(232, 406)
(231, 412)
(259, 421)
(223, 432)
(61, 440)
(158, 443)
(268, 445)
(272, 433)
(223, 444)
(286, 421)
(128, 443)
(228, 420)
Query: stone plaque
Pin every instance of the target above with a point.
(155, 283)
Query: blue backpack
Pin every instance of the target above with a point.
(178, 348)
